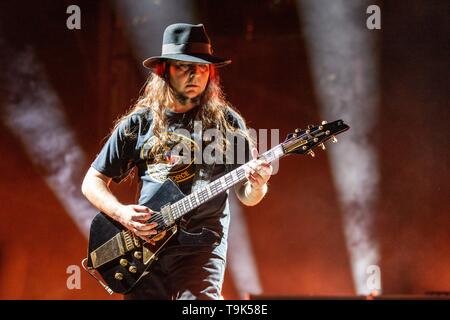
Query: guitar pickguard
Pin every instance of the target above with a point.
(122, 262)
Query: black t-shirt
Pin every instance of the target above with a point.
(130, 144)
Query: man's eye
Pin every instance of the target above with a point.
(183, 67)
(187, 67)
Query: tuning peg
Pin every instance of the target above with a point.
(324, 122)
(297, 130)
(322, 146)
(311, 153)
(310, 126)
(334, 139)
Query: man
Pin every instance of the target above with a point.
(183, 88)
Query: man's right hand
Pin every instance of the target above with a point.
(134, 217)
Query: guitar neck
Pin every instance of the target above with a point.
(197, 198)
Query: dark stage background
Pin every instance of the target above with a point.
(296, 233)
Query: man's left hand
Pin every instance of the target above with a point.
(258, 172)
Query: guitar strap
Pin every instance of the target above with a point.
(203, 172)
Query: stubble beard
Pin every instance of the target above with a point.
(184, 100)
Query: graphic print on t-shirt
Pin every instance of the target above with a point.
(174, 161)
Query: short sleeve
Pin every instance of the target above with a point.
(117, 157)
(240, 145)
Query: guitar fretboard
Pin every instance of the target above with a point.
(218, 186)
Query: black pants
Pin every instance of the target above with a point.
(182, 276)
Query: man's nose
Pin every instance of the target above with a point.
(194, 69)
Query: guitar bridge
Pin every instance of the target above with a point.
(129, 239)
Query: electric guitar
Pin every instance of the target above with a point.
(122, 259)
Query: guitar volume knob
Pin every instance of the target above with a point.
(132, 269)
(118, 276)
(123, 262)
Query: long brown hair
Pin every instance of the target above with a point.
(156, 96)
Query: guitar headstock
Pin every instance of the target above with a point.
(303, 141)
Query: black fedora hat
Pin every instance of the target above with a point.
(186, 42)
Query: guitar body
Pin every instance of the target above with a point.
(121, 258)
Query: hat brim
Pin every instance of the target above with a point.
(151, 62)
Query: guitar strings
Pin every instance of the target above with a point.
(159, 219)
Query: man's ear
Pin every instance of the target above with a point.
(162, 70)
(212, 72)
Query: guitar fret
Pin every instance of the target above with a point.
(228, 179)
(204, 194)
(217, 190)
(174, 210)
(193, 201)
(234, 175)
(220, 184)
(240, 173)
(197, 198)
(187, 204)
(264, 157)
(201, 195)
(223, 184)
(279, 151)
